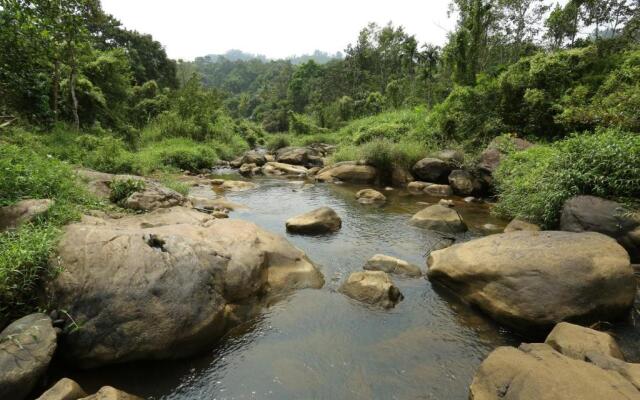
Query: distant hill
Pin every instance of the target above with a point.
(318, 56)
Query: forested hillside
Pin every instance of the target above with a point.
(78, 88)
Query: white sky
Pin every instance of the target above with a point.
(275, 28)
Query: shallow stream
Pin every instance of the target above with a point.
(318, 344)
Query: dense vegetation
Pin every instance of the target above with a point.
(77, 88)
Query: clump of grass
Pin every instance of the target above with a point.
(121, 189)
(173, 183)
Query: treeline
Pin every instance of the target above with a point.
(495, 41)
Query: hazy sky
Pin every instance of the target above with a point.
(275, 28)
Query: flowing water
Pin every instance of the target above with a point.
(319, 344)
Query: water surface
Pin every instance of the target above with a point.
(318, 343)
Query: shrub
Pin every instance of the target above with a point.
(276, 142)
(184, 154)
(121, 189)
(383, 154)
(533, 184)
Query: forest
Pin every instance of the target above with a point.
(80, 90)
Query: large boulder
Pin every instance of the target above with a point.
(348, 171)
(158, 285)
(277, 168)
(370, 196)
(432, 170)
(372, 287)
(400, 177)
(24, 211)
(321, 220)
(254, 157)
(304, 156)
(391, 265)
(594, 214)
(26, 348)
(577, 342)
(64, 389)
(538, 372)
(452, 156)
(533, 280)
(439, 218)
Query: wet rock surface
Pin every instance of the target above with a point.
(372, 287)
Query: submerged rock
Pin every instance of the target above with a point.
(24, 211)
(372, 287)
(439, 218)
(438, 190)
(594, 214)
(538, 372)
(391, 265)
(26, 348)
(278, 168)
(533, 280)
(156, 285)
(348, 171)
(64, 389)
(369, 196)
(237, 186)
(320, 220)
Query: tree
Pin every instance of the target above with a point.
(521, 21)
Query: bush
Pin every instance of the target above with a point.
(533, 184)
(121, 189)
(276, 142)
(384, 154)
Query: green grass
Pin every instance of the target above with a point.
(24, 252)
(534, 184)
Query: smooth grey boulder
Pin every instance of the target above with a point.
(439, 218)
(538, 372)
(159, 285)
(26, 348)
(594, 214)
(64, 389)
(576, 341)
(432, 170)
(533, 280)
(370, 196)
(348, 171)
(321, 220)
(372, 287)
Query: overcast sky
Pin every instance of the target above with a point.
(275, 28)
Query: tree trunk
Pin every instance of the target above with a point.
(55, 89)
(72, 89)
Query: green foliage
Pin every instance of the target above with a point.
(383, 154)
(25, 174)
(275, 142)
(23, 263)
(182, 154)
(121, 189)
(533, 184)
